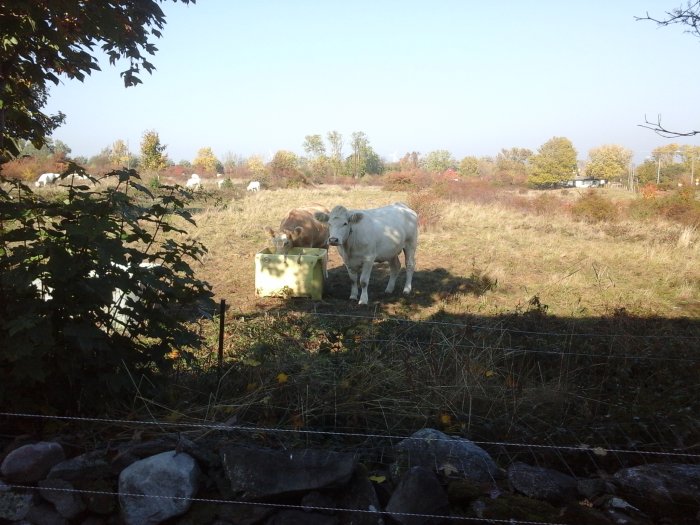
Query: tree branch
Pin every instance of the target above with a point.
(659, 129)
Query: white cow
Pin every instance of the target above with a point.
(194, 182)
(46, 179)
(253, 185)
(380, 234)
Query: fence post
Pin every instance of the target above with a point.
(222, 313)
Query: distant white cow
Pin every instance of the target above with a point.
(194, 182)
(380, 234)
(46, 179)
(253, 185)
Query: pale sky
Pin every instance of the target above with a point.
(471, 77)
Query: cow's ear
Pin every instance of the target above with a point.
(297, 231)
(270, 231)
(355, 217)
(320, 216)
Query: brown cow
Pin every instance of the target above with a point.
(300, 229)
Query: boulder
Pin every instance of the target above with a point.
(30, 463)
(419, 492)
(661, 489)
(14, 505)
(155, 489)
(92, 465)
(63, 496)
(542, 483)
(261, 472)
(446, 455)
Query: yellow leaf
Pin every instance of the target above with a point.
(445, 419)
(489, 373)
(250, 362)
(378, 479)
(250, 387)
(282, 378)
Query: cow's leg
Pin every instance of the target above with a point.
(394, 269)
(409, 253)
(364, 280)
(353, 283)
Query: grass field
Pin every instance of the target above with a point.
(522, 328)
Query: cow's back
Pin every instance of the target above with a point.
(386, 231)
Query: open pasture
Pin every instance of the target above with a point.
(521, 328)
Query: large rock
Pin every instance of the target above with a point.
(419, 492)
(298, 517)
(30, 463)
(155, 489)
(262, 472)
(14, 505)
(63, 495)
(91, 465)
(542, 483)
(446, 455)
(359, 494)
(661, 488)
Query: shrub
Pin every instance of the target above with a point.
(593, 207)
(65, 352)
(398, 181)
(428, 205)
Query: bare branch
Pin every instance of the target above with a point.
(659, 129)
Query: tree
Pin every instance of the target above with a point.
(469, 166)
(439, 161)
(119, 154)
(554, 163)
(43, 40)
(410, 161)
(313, 145)
(335, 140)
(256, 165)
(608, 162)
(689, 17)
(206, 161)
(152, 157)
(358, 143)
(513, 159)
(284, 163)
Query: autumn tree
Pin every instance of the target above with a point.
(313, 146)
(469, 166)
(608, 162)
(256, 165)
(42, 41)
(335, 140)
(152, 157)
(284, 163)
(513, 159)
(119, 155)
(206, 161)
(553, 164)
(410, 161)
(439, 161)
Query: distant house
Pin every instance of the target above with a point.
(585, 183)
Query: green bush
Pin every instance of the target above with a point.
(65, 346)
(593, 207)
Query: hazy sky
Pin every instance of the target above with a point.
(256, 76)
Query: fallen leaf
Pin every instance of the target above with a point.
(377, 479)
(282, 378)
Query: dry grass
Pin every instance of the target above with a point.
(490, 351)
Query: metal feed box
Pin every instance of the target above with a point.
(299, 273)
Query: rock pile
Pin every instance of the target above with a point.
(431, 478)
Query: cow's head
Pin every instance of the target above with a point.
(340, 222)
(283, 240)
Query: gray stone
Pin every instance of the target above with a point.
(261, 472)
(45, 514)
(591, 488)
(419, 492)
(155, 489)
(661, 489)
(542, 483)
(359, 494)
(30, 463)
(445, 455)
(14, 504)
(66, 500)
(298, 517)
(92, 465)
